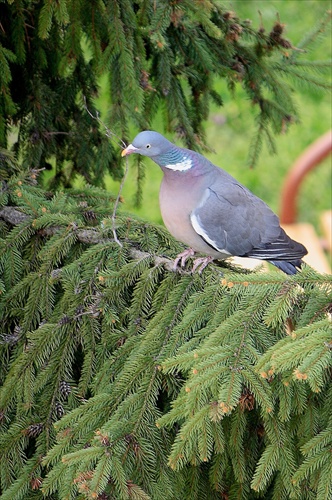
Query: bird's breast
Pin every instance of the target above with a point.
(177, 201)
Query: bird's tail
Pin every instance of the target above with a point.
(288, 267)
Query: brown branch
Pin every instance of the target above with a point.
(14, 217)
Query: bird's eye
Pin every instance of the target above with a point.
(148, 146)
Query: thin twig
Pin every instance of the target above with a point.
(111, 135)
(117, 201)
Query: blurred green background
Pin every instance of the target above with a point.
(229, 129)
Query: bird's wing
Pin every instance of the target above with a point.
(234, 221)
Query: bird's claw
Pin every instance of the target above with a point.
(183, 256)
(201, 263)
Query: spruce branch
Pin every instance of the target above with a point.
(169, 54)
(14, 217)
(313, 35)
(196, 371)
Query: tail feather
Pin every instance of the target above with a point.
(288, 267)
(284, 253)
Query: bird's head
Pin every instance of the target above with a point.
(148, 143)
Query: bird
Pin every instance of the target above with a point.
(208, 210)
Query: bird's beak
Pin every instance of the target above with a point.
(129, 150)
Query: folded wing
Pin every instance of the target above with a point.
(232, 220)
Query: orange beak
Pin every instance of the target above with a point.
(129, 150)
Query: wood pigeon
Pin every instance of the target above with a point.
(207, 209)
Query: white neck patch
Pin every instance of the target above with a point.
(185, 164)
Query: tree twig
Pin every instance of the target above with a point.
(111, 135)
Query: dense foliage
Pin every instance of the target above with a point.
(123, 379)
(156, 55)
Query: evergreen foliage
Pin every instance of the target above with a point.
(122, 379)
(119, 377)
(156, 55)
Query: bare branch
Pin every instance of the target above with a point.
(13, 216)
(112, 136)
(109, 133)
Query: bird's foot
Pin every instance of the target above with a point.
(201, 263)
(183, 256)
